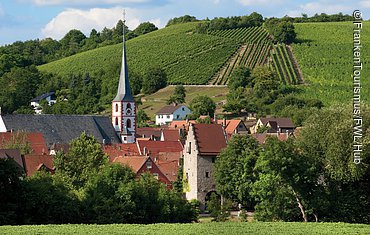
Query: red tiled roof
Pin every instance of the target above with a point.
(171, 135)
(35, 139)
(169, 169)
(231, 125)
(15, 154)
(210, 138)
(154, 147)
(261, 138)
(181, 124)
(120, 150)
(34, 163)
(148, 132)
(281, 122)
(135, 162)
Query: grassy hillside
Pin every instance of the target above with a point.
(187, 57)
(194, 228)
(154, 102)
(325, 57)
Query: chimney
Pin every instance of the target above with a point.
(145, 151)
(224, 122)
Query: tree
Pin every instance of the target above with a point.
(104, 203)
(142, 118)
(10, 188)
(154, 80)
(178, 96)
(234, 169)
(136, 83)
(202, 105)
(84, 159)
(236, 101)
(144, 28)
(281, 30)
(72, 42)
(181, 19)
(240, 78)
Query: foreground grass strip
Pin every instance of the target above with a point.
(195, 228)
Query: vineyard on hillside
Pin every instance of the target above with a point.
(325, 54)
(186, 57)
(257, 50)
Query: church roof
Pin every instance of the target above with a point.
(124, 90)
(63, 128)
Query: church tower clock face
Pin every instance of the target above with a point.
(123, 105)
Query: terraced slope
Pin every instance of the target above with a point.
(187, 58)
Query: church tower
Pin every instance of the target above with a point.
(123, 105)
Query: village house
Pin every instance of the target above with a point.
(49, 97)
(274, 125)
(203, 144)
(144, 164)
(234, 126)
(171, 113)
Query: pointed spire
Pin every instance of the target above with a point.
(124, 90)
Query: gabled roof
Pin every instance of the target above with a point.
(134, 162)
(171, 135)
(168, 163)
(148, 132)
(43, 96)
(169, 109)
(14, 154)
(281, 122)
(63, 128)
(231, 125)
(210, 138)
(34, 163)
(180, 124)
(35, 139)
(153, 148)
(120, 150)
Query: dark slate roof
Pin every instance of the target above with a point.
(169, 109)
(43, 96)
(63, 128)
(124, 90)
(281, 122)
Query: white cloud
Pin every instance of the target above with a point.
(85, 2)
(86, 20)
(365, 4)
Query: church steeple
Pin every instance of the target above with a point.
(123, 105)
(124, 90)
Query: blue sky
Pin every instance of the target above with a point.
(31, 19)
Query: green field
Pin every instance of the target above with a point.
(325, 57)
(195, 228)
(188, 58)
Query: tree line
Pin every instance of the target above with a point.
(310, 177)
(87, 189)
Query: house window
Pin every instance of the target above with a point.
(148, 165)
(125, 138)
(156, 176)
(187, 176)
(168, 116)
(116, 121)
(189, 148)
(116, 107)
(183, 109)
(207, 174)
(178, 116)
(213, 159)
(128, 124)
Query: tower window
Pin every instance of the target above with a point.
(207, 174)
(116, 122)
(128, 106)
(116, 107)
(128, 123)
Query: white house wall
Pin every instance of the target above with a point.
(2, 125)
